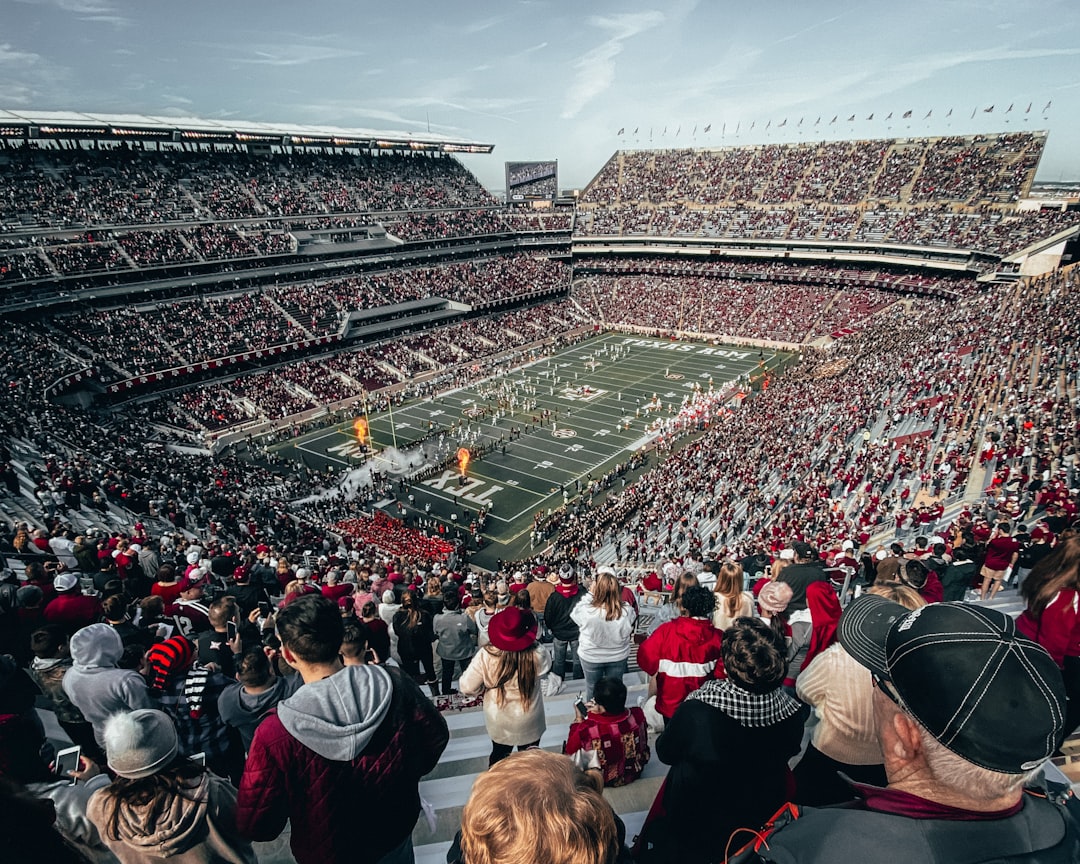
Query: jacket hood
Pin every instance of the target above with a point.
(697, 631)
(170, 831)
(337, 717)
(96, 646)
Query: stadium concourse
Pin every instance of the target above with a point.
(186, 307)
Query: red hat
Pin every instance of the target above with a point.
(513, 629)
(167, 658)
(195, 577)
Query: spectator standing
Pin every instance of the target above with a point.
(844, 739)
(508, 672)
(683, 653)
(456, 635)
(1052, 617)
(162, 806)
(605, 631)
(1002, 552)
(562, 626)
(725, 733)
(94, 683)
(412, 624)
(349, 737)
(245, 703)
(71, 610)
(731, 600)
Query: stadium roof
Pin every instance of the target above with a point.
(67, 125)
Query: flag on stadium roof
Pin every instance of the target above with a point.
(907, 114)
(708, 127)
(989, 110)
(851, 118)
(1047, 105)
(928, 113)
(621, 130)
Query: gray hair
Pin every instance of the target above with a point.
(955, 772)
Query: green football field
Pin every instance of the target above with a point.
(605, 398)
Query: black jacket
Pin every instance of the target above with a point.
(557, 615)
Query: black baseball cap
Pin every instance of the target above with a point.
(982, 689)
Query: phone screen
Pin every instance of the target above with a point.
(264, 608)
(580, 706)
(230, 630)
(67, 760)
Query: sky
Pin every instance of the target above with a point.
(552, 79)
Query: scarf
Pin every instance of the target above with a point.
(753, 710)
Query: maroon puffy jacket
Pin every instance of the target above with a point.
(324, 798)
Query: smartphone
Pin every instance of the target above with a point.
(230, 630)
(579, 705)
(264, 609)
(199, 758)
(67, 760)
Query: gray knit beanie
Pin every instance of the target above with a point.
(140, 743)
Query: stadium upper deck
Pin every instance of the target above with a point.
(957, 192)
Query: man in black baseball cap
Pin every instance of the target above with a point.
(967, 710)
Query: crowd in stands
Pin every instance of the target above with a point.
(962, 170)
(707, 302)
(948, 192)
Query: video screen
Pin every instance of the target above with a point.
(532, 181)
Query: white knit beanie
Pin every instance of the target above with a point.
(140, 743)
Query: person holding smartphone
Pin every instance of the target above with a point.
(221, 644)
(618, 735)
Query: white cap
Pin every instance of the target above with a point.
(787, 555)
(847, 544)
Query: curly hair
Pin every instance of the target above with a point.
(754, 657)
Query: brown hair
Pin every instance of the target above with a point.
(519, 665)
(607, 595)
(686, 580)
(1060, 569)
(556, 816)
(729, 585)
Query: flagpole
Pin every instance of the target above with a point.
(393, 432)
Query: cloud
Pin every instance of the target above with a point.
(595, 70)
(288, 54)
(15, 57)
(483, 24)
(99, 11)
(14, 93)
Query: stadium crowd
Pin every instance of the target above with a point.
(164, 602)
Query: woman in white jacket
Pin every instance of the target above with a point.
(509, 672)
(606, 625)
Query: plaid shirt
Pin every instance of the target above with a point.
(192, 702)
(621, 742)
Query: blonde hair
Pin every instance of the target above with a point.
(607, 595)
(537, 806)
(898, 592)
(729, 586)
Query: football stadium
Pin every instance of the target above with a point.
(673, 473)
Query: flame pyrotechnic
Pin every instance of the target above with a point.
(463, 456)
(360, 427)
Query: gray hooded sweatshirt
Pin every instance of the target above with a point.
(338, 716)
(94, 684)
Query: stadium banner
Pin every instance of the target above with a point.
(532, 181)
(219, 363)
